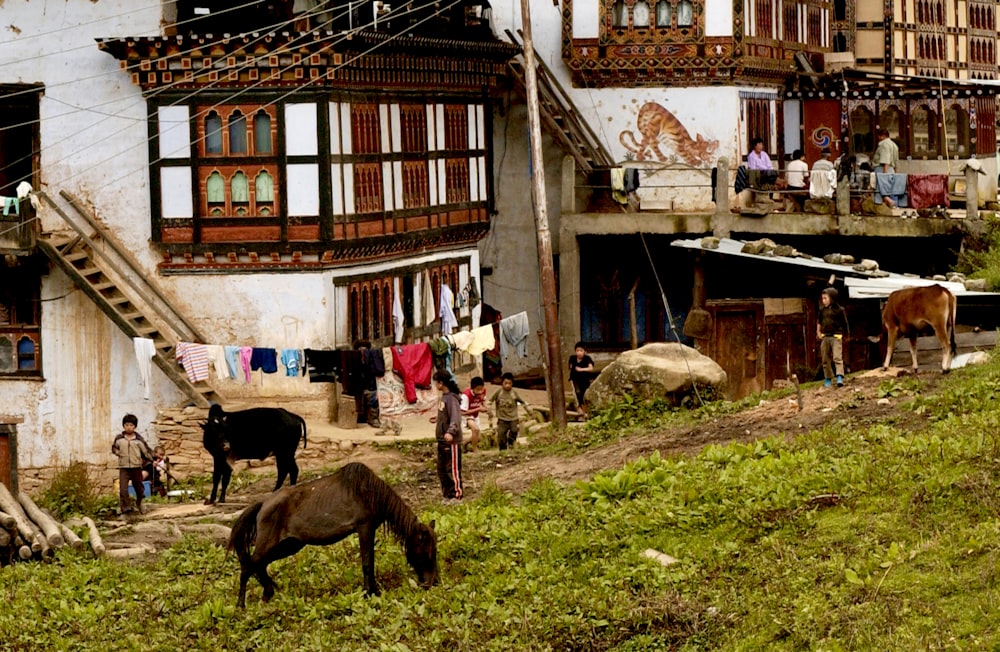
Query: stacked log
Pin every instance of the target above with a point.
(28, 532)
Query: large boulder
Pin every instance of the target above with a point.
(656, 371)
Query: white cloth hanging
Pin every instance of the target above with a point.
(448, 320)
(397, 312)
(144, 352)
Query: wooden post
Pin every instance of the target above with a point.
(633, 327)
(722, 218)
(550, 306)
(971, 192)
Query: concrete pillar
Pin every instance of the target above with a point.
(568, 194)
(723, 217)
(844, 197)
(971, 192)
(569, 288)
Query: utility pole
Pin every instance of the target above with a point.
(554, 376)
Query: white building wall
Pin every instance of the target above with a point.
(510, 251)
(94, 144)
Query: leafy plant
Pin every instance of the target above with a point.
(71, 492)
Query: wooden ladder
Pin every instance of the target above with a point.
(107, 273)
(559, 117)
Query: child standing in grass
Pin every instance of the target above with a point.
(831, 326)
(133, 453)
(505, 401)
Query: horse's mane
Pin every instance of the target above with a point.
(376, 494)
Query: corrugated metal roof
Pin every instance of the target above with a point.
(859, 284)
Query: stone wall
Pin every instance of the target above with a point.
(179, 431)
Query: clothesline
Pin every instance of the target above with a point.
(325, 365)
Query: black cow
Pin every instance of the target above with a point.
(253, 434)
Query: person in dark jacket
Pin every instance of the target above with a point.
(133, 454)
(449, 437)
(831, 327)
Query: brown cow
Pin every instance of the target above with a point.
(911, 310)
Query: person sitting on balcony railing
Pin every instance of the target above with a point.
(823, 179)
(797, 177)
(759, 164)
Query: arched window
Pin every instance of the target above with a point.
(956, 126)
(239, 189)
(640, 14)
(862, 127)
(215, 191)
(262, 133)
(840, 42)
(264, 187)
(26, 354)
(376, 311)
(386, 307)
(619, 14)
(354, 315)
(840, 9)
(663, 13)
(237, 133)
(892, 120)
(923, 122)
(213, 133)
(685, 13)
(365, 314)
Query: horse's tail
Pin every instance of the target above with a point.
(303, 424)
(244, 532)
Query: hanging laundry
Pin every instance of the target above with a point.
(292, 359)
(441, 351)
(448, 320)
(927, 190)
(194, 358)
(427, 299)
(217, 356)
(492, 362)
(473, 293)
(397, 312)
(631, 179)
(322, 366)
(233, 360)
(264, 359)
(144, 352)
(618, 185)
(474, 342)
(9, 204)
(514, 335)
(246, 355)
(414, 364)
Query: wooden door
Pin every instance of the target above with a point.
(737, 346)
(5, 460)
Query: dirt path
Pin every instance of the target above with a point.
(515, 471)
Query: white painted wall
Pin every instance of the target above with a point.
(93, 136)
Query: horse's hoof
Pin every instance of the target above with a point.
(209, 501)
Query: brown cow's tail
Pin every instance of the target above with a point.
(244, 532)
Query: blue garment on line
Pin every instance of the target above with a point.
(292, 359)
(233, 360)
(892, 185)
(9, 203)
(264, 359)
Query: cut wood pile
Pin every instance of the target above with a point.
(29, 533)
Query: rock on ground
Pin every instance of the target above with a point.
(655, 371)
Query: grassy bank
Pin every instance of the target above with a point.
(880, 535)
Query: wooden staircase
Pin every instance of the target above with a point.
(558, 115)
(107, 273)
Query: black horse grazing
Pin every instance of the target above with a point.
(325, 511)
(253, 434)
